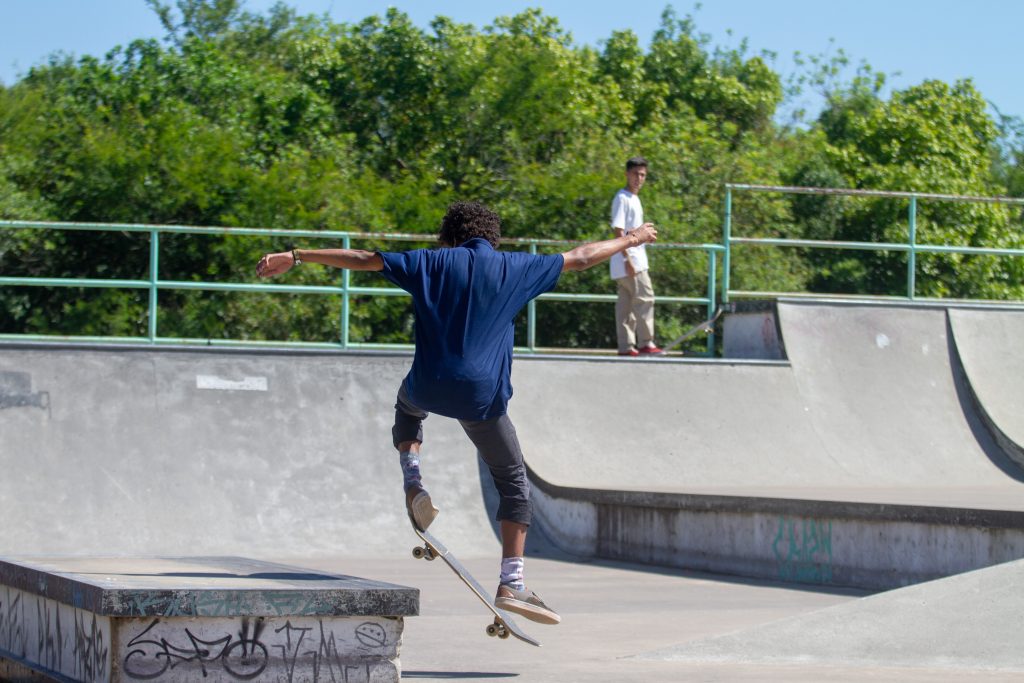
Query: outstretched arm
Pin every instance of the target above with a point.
(350, 259)
(588, 255)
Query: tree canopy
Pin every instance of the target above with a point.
(296, 122)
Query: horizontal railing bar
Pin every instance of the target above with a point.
(876, 246)
(203, 286)
(820, 244)
(315, 234)
(207, 230)
(278, 289)
(255, 343)
(825, 191)
(753, 294)
(989, 251)
(292, 289)
(74, 282)
(614, 297)
(983, 303)
(188, 341)
(880, 298)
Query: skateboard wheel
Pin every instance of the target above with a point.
(498, 629)
(429, 554)
(418, 553)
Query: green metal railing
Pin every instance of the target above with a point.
(911, 246)
(154, 284)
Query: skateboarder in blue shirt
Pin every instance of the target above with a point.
(465, 298)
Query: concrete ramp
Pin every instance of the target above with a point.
(972, 622)
(989, 345)
(175, 452)
(868, 409)
(646, 425)
(862, 460)
(886, 395)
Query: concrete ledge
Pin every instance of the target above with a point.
(862, 545)
(184, 619)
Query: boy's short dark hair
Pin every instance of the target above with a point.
(466, 220)
(636, 162)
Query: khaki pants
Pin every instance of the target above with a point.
(634, 312)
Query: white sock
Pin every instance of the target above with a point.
(512, 572)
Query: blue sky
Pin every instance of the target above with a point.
(920, 39)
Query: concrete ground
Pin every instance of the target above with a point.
(624, 623)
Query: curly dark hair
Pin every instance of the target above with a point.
(466, 220)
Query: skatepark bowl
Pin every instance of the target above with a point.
(840, 497)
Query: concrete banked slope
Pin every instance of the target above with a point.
(868, 409)
(989, 345)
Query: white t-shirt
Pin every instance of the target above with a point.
(627, 214)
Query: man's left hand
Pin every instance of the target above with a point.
(275, 264)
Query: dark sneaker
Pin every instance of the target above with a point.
(651, 350)
(421, 509)
(525, 603)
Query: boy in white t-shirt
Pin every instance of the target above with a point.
(634, 310)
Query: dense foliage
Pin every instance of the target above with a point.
(237, 119)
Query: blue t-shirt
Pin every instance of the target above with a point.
(465, 300)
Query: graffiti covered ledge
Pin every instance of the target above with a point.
(204, 618)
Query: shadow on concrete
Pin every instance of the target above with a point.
(974, 413)
(453, 675)
(729, 579)
(269, 576)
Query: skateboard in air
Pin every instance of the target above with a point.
(503, 625)
(707, 327)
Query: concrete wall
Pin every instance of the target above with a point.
(812, 542)
(163, 452)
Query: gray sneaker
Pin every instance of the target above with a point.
(525, 603)
(421, 509)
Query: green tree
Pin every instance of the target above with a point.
(931, 138)
(725, 87)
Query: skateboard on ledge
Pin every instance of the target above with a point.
(503, 625)
(707, 327)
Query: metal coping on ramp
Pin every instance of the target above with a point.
(198, 618)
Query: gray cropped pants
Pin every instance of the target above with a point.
(496, 444)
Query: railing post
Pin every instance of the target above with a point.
(531, 315)
(726, 238)
(154, 276)
(346, 242)
(712, 266)
(912, 254)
